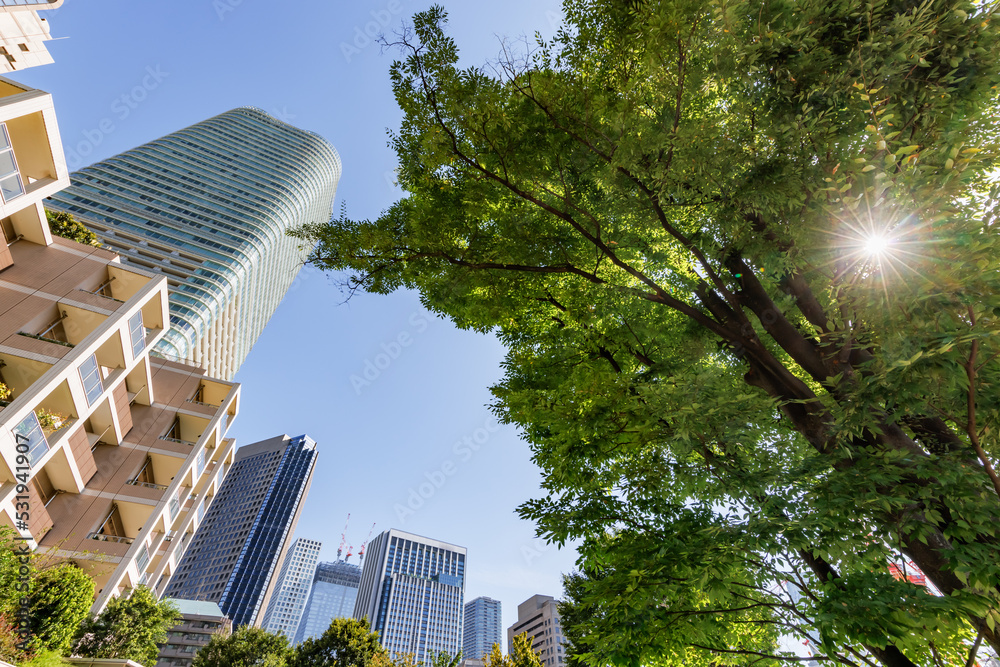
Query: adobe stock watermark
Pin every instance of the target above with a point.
(122, 107)
(375, 366)
(223, 7)
(367, 35)
(463, 450)
(533, 551)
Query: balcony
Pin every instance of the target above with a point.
(103, 290)
(53, 333)
(177, 440)
(147, 485)
(117, 539)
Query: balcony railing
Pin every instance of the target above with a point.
(178, 440)
(147, 485)
(207, 405)
(118, 539)
(47, 340)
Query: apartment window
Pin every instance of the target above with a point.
(11, 186)
(175, 505)
(29, 439)
(90, 373)
(137, 334)
(142, 559)
(23, 47)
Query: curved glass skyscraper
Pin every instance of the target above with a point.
(209, 207)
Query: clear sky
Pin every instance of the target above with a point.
(415, 448)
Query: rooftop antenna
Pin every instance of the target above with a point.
(361, 554)
(343, 539)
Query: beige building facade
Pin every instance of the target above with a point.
(538, 617)
(23, 34)
(108, 456)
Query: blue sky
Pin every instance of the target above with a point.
(412, 444)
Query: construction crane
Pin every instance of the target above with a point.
(343, 539)
(361, 554)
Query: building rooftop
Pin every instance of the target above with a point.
(197, 607)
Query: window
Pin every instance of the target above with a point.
(91, 376)
(175, 504)
(137, 333)
(23, 47)
(29, 438)
(142, 559)
(10, 178)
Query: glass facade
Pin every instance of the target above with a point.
(333, 594)
(292, 588)
(482, 628)
(235, 554)
(209, 207)
(411, 592)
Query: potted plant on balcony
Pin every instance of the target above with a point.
(50, 421)
(5, 394)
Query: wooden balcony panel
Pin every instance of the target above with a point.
(79, 446)
(122, 406)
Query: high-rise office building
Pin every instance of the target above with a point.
(235, 555)
(334, 592)
(482, 627)
(538, 617)
(23, 34)
(292, 588)
(411, 592)
(209, 207)
(117, 460)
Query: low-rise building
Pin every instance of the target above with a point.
(201, 621)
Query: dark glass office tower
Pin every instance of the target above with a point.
(236, 553)
(411, 592)
(209, 207)
(334, 591)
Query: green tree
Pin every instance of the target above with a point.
(129, 628)
(523, 655)
(65, 225)
(446, 660)
(744, 257)
(45, 658)
(246, 647)
(12, 592)
(60, 602)
(348, 642)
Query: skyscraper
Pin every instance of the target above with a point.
(292, 588)
(209, 207)
(538, 617)
(411, 592)
(235, 554)
(482, 628)
(334, 592)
